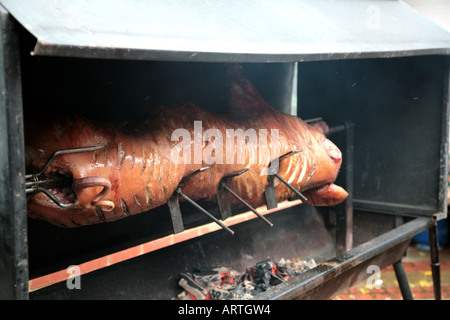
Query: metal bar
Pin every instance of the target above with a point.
(313, 120)
(13, 217)
(205, 212)
(344, 213)
(336, 129)
(247, 205)
(444, 157)
(36, 182)
(402, 281)
(435, 264)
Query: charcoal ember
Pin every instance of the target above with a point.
(188, 284)
(265, 274)
(286, 273)
(260, 272)
(227, 284)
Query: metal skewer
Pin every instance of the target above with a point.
(247, 205)
(302, 197)
(205, 212)
(174, 206)
(269, 192)
(222, 200)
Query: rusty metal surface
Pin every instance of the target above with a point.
(228, 31)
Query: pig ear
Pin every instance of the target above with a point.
(328, 195)
(244, 98)
(332, 150)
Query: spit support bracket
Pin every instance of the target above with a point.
(175, 210)
(269, 191)
(42, 182)
(344, 212)
(224, 204)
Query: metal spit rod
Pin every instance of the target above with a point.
(332, 130)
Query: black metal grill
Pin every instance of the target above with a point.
(386, 88)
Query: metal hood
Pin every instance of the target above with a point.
(228, 31)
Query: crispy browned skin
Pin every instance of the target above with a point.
(138, 164)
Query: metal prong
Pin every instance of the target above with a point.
(56, 200)
(246, 204)
(234, 174)
(190, 175)
(221, 196)
(174, 206)
(38, 181)
(269, 192)
(302, 197)
(205, 212)
(290, 153)
(66, 151)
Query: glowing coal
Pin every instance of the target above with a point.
(227, 284)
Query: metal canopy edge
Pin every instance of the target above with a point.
(228, 31)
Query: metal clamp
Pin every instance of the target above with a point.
(174, 206)
(41, 182)
(224, 204)
(269, 191)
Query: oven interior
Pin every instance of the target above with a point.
(396, 109)
(387, 92)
